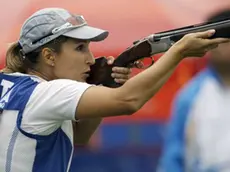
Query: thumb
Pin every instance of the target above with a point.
(110, 60)
(205, 34)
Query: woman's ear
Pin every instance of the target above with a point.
(48, 55)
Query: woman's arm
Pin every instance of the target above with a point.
(84, 129)
(127, 99)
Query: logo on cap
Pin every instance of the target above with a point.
(76, 20)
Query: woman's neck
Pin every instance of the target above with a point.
(39, 74)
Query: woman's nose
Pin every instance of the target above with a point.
(90, 60)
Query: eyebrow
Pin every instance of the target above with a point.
(78, 41)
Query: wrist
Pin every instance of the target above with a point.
(177, 52)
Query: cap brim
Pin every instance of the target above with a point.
(88, 33)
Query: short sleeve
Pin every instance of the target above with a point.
(51, 103)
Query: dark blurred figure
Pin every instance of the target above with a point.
(198, 138)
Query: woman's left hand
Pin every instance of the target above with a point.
(120, 74)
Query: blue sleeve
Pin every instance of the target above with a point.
(172, 158)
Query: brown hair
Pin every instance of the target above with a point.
(15, 62)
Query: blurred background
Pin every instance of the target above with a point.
(130, 143)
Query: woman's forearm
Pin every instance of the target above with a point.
(151, 80)
(163, 80)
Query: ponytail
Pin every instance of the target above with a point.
(14, 60)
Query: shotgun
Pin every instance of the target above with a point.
(100, 73)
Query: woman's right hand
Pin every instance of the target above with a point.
(197, 44)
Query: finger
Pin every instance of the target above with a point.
(119, 76)
(110, 60)
(201, 54)
(120, 81)
(205, 34)
(121, 70)
(218, 41)
(212, 47)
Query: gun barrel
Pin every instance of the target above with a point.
(222, 27)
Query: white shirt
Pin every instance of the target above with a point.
(36, 123)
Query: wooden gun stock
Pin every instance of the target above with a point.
(101, 71)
